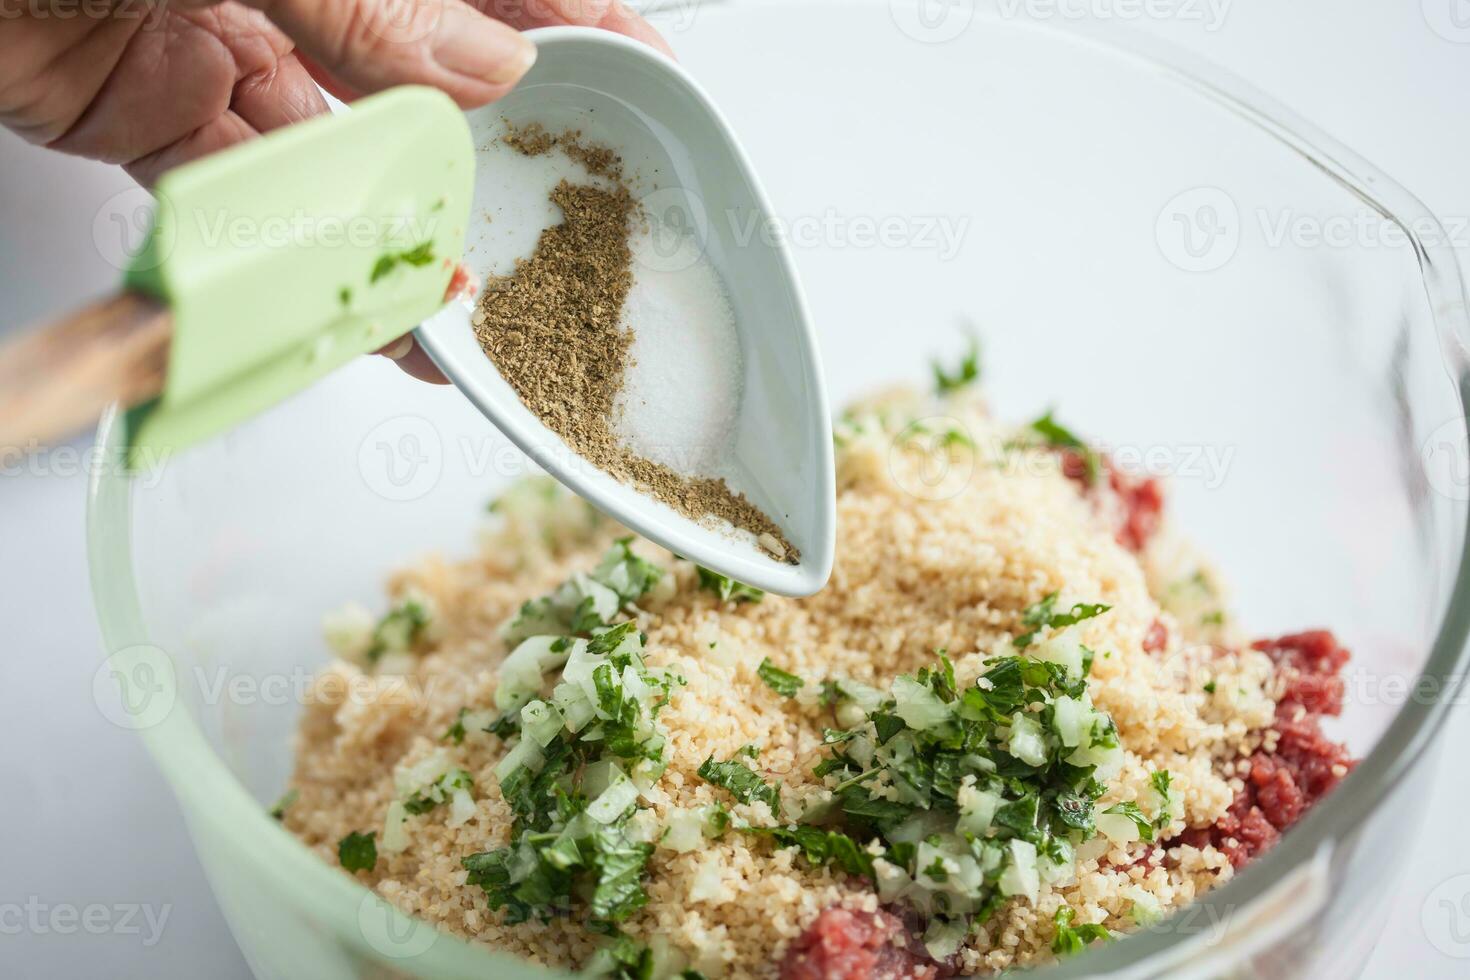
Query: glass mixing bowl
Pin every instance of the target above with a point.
(1171, 259)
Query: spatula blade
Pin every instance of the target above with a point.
(286, 256)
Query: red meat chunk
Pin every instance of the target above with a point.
(1305, 766)
(1139, 505)
(845, 944)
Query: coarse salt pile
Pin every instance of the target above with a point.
(681, 391)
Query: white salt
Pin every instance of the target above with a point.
(681, 390)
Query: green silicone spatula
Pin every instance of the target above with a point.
(267, 266)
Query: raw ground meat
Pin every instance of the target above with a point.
(846, 944)
(1137, 503)
(1307, 765)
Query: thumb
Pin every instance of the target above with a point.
(367, 45)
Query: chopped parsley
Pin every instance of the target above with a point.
(1132, 812)
(357, 851)
(962, 796)
(1071, 940)
(579, 760)
(778, 680)
(727, 588)
(400, 628)
(626, 573)
(1058, 436)
(437, 792)
(420, 255)
(821, 846)
(1209, 687)
(1043, 615)
(1161, 778)
(456, 731)
(966, 373)
(287, 800)
(744, 784)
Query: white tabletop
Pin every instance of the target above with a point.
(97, 876)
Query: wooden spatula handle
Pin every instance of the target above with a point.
(55, 381)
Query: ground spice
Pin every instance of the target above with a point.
(553, 329)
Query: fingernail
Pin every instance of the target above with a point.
(469, 43)
(400, 349)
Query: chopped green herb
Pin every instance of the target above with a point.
(437, 792)
(344, 296)
(420, 255)
(456, 732)
(745, 785)
(358, 852)
(965, 374)
(1132, 812)
(1209, 687)
(778, 680)
(1059, 437)
(626, 573)
(821, 846)
(1161, 778)
(1071, 940)
(399, 629)
(278, 812)
(727, 588)
(1043, 615)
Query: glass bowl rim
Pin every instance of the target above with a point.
(209, 791)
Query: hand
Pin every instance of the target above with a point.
(151, 84)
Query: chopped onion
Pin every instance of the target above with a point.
(395, 837)
(1027, 742)
(541, 722)
(1072, 720)
(917, 705)
(1020, 876)
(461, 808)
(526, 753)
(1117, 828)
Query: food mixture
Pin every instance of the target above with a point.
(1020, 720)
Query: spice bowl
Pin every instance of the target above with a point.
(1089, 201)
(682, 164)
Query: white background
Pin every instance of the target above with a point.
(86, 818)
